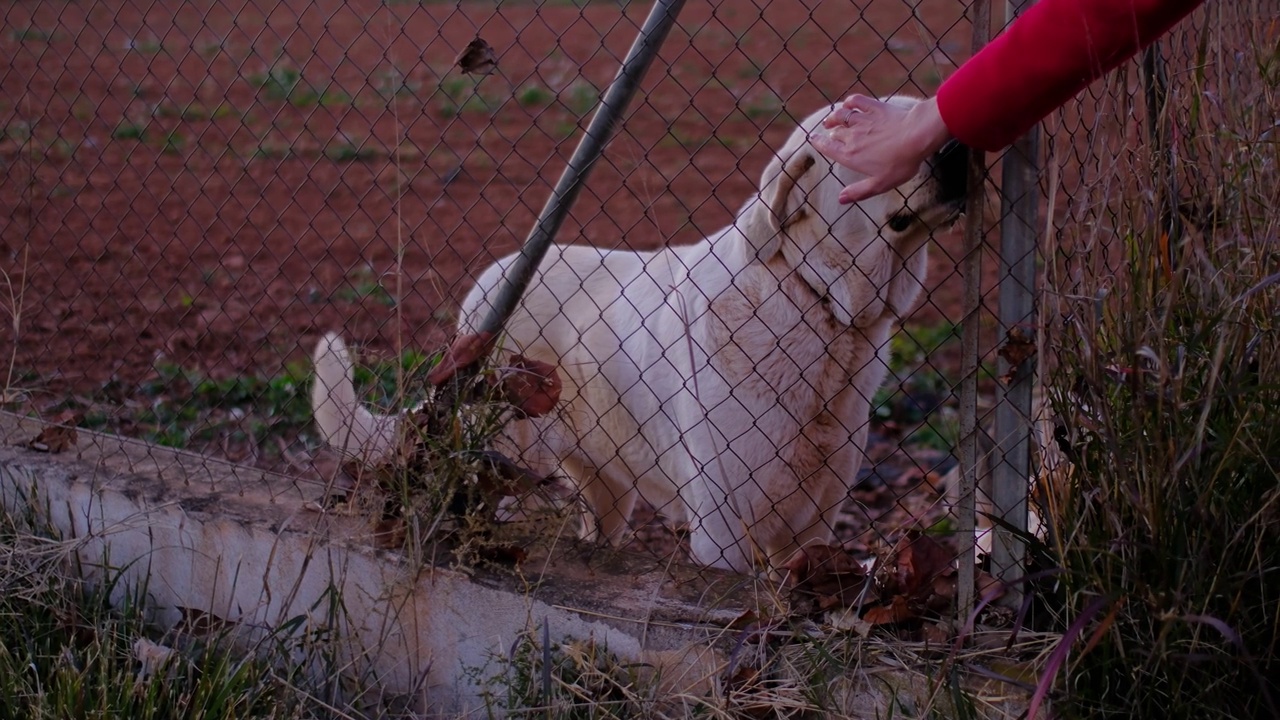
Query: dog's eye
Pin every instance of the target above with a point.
(900, 222)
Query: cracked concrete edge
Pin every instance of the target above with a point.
(193, 532)
(239, 543)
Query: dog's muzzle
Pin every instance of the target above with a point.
(950, 167)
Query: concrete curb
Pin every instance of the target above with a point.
(242, 545)
(194, 535)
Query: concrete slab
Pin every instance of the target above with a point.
(194, 533)
(244, 546)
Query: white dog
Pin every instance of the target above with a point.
(726, 383)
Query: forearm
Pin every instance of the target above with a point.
(1047, 56)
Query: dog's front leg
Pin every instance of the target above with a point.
(609, 501)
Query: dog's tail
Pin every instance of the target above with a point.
(342, 419)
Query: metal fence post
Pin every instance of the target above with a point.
(970, 351)
(1019, 208)
(662, 17)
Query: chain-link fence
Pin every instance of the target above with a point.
(195, 193)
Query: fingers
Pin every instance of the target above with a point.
(837, 119)
(846, 115)
(862, 190)
(842, 117)
(861, 103)
(827, 145)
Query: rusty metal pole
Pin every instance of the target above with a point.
(641, 55)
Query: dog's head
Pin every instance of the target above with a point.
(867, 258)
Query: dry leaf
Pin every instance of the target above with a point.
(745, 690)
(920, 561)
(389, 533)
(744, 621)
(464, 352)
(478, 58)
(848, 620)
(152, 656)
(989, 585)
(531, 385)
(1018, 347)
(1104, 626)
(937, 633)
(895, 612)
(828, 574)
(58, 435)
(198, 623)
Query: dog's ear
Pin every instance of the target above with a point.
(784, 199)
(907, 286)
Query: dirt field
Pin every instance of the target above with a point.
(196, 193)
(214, 187)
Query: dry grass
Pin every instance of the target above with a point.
(1165, 384)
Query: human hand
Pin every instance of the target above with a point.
(884, 141)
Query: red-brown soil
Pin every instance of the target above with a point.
(209, 186)
(227, 239)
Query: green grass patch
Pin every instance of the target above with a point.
(285, 83)
(534, 96)
(143, 46)
(30, 34)
(459, 95)
(764, 107)
(345, 152)
(685, 139)
(194, 111)
(272, 151)
(394, 84)
(365, 284)
(581, 97)
(174, 143)
(128, 130)
(189, 408)
(67, 652)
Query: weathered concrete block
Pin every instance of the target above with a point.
(195, 534)
(244, 546)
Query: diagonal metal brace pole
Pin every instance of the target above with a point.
(641, 55)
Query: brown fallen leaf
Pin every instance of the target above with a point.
(59, 435)
(745, 621)
(919, 561)
(943, 592)
(477, 58)
(895, 612)
(198, 623)
(505, 476)
(532, 386)
(989, 586)
(936, 633)
(827, 574)
(389, 533)
(1018, 348)
(745, 690)
(465, 351)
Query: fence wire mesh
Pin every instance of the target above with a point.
(195, 193)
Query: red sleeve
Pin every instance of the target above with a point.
(1044, 58)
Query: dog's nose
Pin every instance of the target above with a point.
(951, 171)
